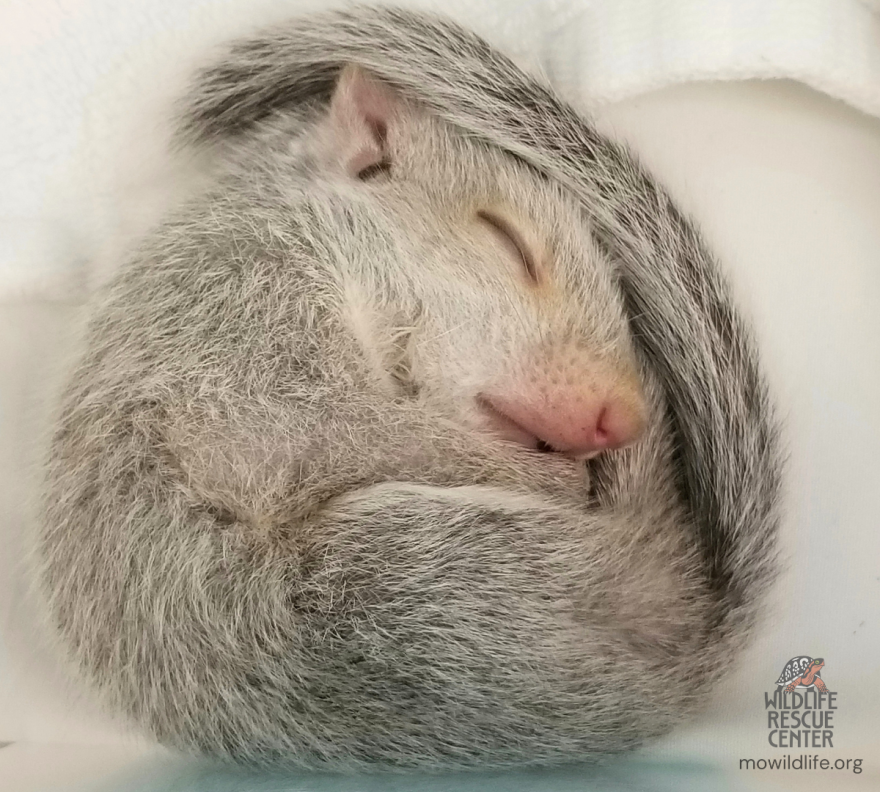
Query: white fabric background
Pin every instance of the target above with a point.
(785, 181)
(81, 80)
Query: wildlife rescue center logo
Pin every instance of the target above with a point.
(800, 714)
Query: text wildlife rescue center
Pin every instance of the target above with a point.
(800, 719)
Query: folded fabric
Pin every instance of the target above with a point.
(81, 85)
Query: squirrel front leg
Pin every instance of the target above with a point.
(268, 465)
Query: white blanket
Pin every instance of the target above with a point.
(83, 87)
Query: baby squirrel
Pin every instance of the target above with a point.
(317, 493)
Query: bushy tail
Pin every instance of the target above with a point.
(679, 304)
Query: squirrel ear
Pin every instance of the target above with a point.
(361, 112)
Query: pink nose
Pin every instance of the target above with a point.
(576, 424)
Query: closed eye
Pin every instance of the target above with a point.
(509, 237)
(382, 167)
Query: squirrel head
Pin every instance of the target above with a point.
(509, 318)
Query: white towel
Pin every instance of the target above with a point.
(82, 84)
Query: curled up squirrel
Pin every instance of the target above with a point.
(427, 435)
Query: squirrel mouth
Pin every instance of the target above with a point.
(503, 425)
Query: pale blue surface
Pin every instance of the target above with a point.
(621, 777)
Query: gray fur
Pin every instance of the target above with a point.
(274, 530)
